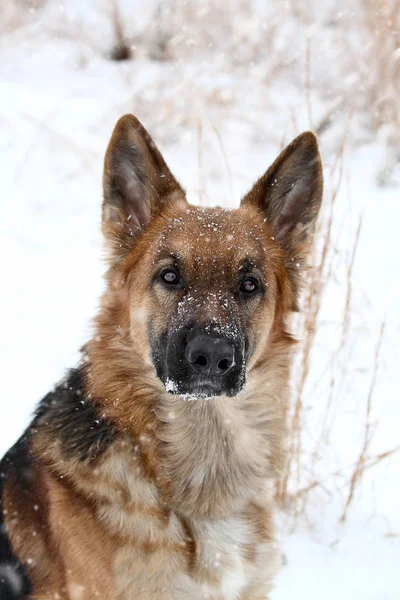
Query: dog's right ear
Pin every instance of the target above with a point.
(136, 184)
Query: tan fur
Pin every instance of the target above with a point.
(180, 505)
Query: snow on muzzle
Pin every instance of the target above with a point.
(201, 359)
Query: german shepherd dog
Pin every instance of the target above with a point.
(148, 472)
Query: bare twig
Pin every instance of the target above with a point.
(225, 157)
(360, 465)
(308, 84)
(202, 183)
(312, 307)
(370, 462)
(347, 309)
(122, 50)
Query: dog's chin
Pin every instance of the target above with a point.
(201, 388)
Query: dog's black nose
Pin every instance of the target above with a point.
(210, 355)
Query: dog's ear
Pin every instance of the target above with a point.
(290, 193)
(137, 183)
(289, 196)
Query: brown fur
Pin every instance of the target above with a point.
(179, 505)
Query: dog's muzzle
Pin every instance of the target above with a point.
(201, 363)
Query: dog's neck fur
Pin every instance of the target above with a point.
(208, 458)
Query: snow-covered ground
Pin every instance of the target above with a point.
(219, 126)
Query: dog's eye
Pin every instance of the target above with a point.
(249, 285)
(170, 277)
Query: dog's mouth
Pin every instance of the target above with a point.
(203, 387)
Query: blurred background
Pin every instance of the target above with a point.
(223, 87)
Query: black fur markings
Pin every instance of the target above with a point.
(71, 417)
(14, 582)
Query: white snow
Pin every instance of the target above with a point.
(219, 123)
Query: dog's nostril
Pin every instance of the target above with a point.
(224, 364)
(201, 360)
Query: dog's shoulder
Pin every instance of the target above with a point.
(14, 581)
(69, 415)
(65, 418)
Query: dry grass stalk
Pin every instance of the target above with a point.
(382, 21)
(380, 67)
(122, 49)
(226, 160)
(308, 84)
(370, 462)
(311, 309)
(360, 465)
(347, 309)
(202, 182)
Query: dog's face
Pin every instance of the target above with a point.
(210, 292)
(206, 289)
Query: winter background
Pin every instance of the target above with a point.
(222, 87)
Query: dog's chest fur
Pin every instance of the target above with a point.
(201, 528)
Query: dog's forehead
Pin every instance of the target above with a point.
(198, 234)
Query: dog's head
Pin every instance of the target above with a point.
(204, 290)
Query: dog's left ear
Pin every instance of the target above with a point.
(137, 184)
(290, 193)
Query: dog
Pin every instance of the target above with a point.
(148, 472)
